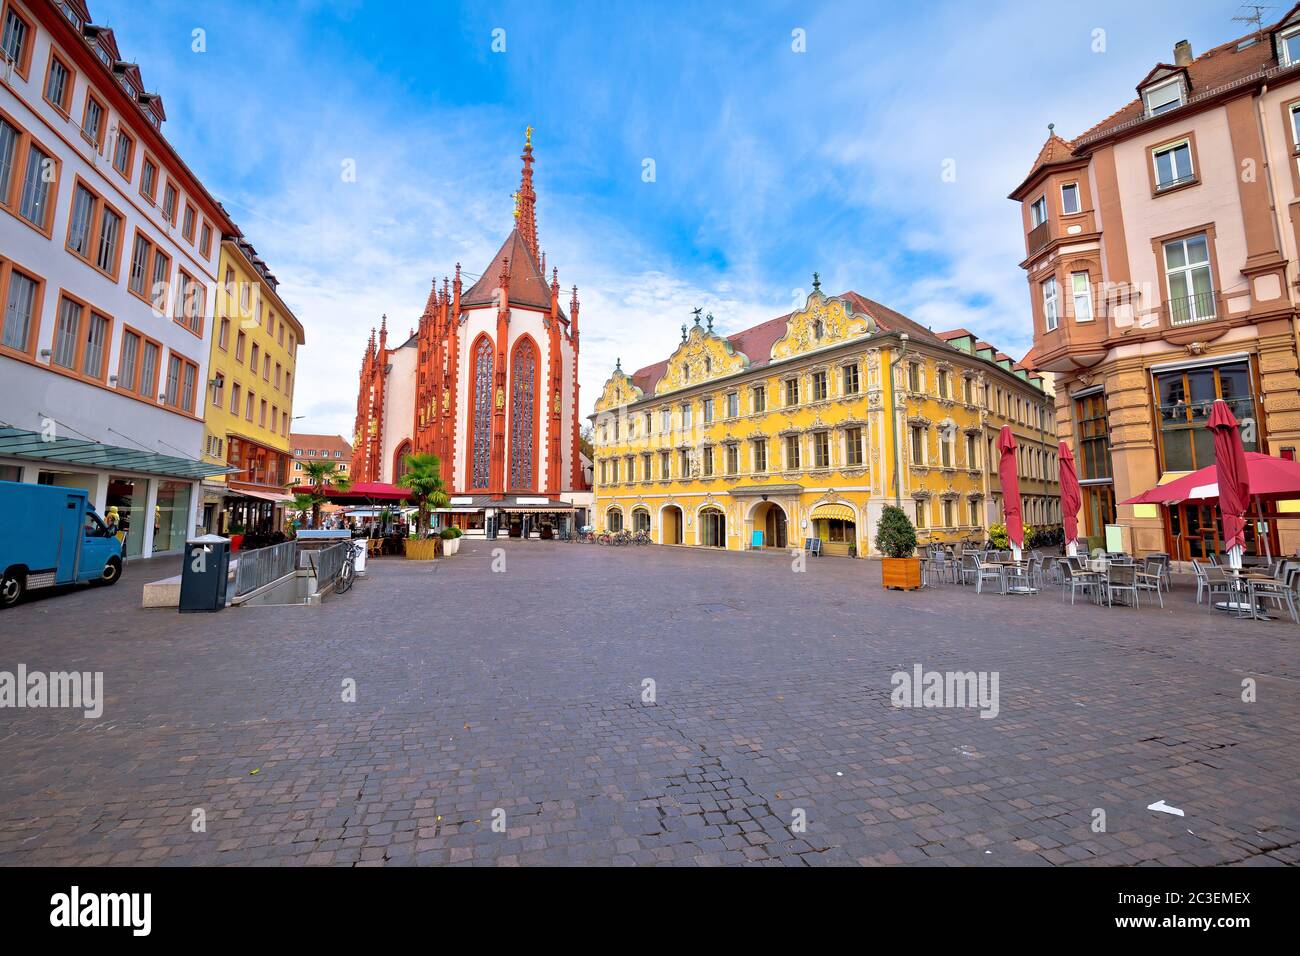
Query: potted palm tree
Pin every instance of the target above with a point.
(896, 541)
(424, 479)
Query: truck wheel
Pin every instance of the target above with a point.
(12, 586)
(112, 571)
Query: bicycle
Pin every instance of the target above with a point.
(642, 537)
(347, 573)
(623, 537)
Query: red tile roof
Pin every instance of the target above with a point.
(527, 284)
(1217, 67)
(955, 334)
(325, 443)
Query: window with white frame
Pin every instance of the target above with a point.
(1190, 279)
(1051, 310)
(1163, 97)
(1173, 164)
(1070, 199)
(1288, 46)
(1081, 296)
(1038, 212)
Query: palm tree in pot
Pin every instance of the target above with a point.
(424, 479)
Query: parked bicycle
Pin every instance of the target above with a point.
(348, 572)
(641, 537)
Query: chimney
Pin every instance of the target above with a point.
(1182, 53)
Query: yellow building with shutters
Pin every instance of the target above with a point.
(249, 409)
(783, 432)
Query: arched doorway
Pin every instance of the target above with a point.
(713, 528)
(770, 519)
(670, 525)
(641, 520)
(614, 520)
(836, 526)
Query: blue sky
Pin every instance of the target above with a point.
(769, 163)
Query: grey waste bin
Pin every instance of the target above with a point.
(204, 573)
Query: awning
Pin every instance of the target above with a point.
(278, 498)
(20, 443)
(834, 512)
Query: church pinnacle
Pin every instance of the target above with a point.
(526, 199)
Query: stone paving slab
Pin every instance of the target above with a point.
(521, 692)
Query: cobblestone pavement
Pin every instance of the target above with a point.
(522, 692)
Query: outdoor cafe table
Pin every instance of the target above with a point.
(1004, 567)
(1239, 603)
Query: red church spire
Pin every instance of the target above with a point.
(526, 199)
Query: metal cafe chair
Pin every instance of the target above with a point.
(1161, 560)
(1148, 579)
(1202, 579)
(1076, 580)
(987, 572)
(939, 567)
(970, 567)
(1276, 591)
(1218, 582)
(1121, 579)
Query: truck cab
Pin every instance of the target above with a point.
(54, 538)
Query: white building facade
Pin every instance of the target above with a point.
(109, 247)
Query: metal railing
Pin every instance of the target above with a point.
(1190, 309)
(1171, 183)
(264, 565)
(329, 563)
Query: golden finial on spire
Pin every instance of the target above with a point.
(528, 136)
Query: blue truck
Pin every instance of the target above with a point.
(51, 536)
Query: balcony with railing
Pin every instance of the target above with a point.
(1039, 236)
(1192, 309)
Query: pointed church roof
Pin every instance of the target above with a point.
(527, 284)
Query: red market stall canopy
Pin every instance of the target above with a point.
(364, 491)
(1271, 479)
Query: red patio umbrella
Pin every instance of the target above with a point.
(1271, 479)
(1010, 488)
(1071, 495)
(1233, 478)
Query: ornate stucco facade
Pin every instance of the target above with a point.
(784, 432)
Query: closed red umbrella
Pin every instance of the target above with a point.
(1010, 488)
(1071, 495)
(1233, 478)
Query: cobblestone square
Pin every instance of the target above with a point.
(518, 696)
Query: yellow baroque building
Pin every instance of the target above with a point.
(782, 432)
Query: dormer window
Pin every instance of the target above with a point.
(1164, 97)
(1288, 46)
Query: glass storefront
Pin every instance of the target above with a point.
(10, 473)
(171, 516)
(126, 500)
(1185, 397)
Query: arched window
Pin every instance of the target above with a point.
(523, 415)
(614, 520)
(399, 460)
(481, 448)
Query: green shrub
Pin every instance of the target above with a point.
(456, 532)
(448, 533)
(895, 534)
(998, 535)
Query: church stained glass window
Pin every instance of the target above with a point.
(482, 448)
(523, 376)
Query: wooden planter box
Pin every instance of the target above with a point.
(903, 574)
(422, 549)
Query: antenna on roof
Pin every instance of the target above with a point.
(1252, 13)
